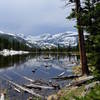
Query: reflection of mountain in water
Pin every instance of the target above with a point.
(38, 67)
(20, 59)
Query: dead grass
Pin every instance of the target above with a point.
(77, 70)
(67, 94)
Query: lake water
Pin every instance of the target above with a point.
(41, 68)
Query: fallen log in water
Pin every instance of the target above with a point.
(39, 82)
(61, 74)
(38, 86)
(65, 77)
(31, 80)
(30, 91)
(27, 78)
(16, 89)
(24, 89)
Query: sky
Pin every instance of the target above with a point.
(34, 17)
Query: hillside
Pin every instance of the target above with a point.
(45, 41)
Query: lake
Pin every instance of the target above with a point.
(42, 68)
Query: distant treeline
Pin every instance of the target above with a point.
(62, 49)
(8, 43)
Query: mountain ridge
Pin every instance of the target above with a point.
(46, 40)
(49, 41)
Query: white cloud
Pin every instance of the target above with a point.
(32, 15)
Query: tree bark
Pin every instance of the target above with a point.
(83, 57)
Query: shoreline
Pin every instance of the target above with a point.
(7, 52)
(74, 91)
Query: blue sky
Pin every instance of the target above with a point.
(34, 16)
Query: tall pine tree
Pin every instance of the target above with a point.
(77, 12)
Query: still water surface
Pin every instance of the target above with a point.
(38, 67)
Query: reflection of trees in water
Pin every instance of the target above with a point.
(55, 55)
(6, 61)
(62, 56)
(20, 59)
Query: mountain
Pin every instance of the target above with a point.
(43, 41)
(15, 42)
(49, 41)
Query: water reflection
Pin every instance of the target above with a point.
(7, 61)
(38, 67)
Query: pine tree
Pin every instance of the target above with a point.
(91, 25)
(90, 22)
(76, 13)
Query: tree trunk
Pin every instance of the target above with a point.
(83, 57)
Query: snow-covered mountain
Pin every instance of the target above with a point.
(45, 40)
(49, 41)
(14, 39)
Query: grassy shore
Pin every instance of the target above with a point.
(78, 92)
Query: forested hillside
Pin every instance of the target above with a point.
(9, 42)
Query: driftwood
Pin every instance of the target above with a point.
(61, 74)
(80, 81)
(27, 78)
(39, 82)
(65, 77)
(91, 85)
(30, 91)
(38, 86)
(16, 89)
(31, 80)
(24, 89)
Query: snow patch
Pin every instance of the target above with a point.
(7, 52)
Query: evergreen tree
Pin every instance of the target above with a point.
(91, 16)
(77, 13)
(90, 21)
